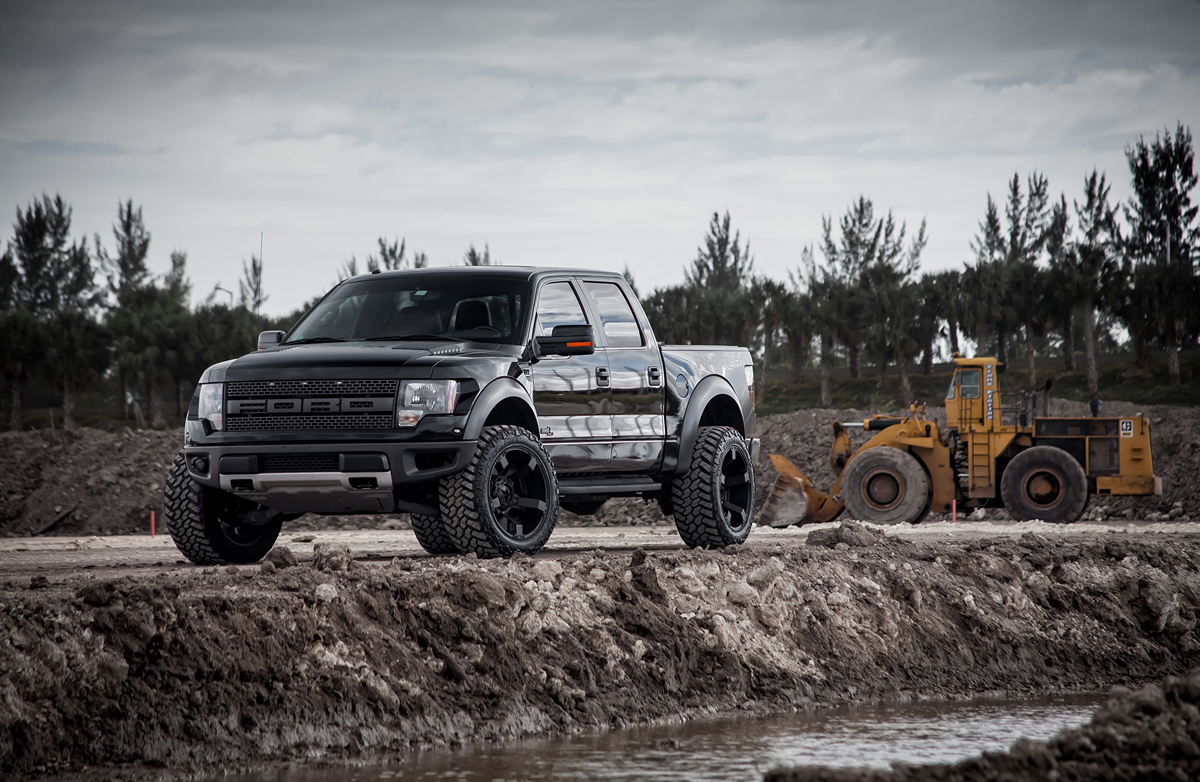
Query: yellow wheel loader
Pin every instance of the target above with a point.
(987, 455)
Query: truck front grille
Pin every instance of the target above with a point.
(298, 462)
(250, 423)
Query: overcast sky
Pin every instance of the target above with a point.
(596, 134)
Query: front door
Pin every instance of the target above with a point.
(570, 393)
(636, 372)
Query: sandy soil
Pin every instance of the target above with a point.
(200, 669)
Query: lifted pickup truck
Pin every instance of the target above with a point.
(479, 401)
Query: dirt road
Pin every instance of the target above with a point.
(127, 554)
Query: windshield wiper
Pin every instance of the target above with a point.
(406, 337)
(310, 340)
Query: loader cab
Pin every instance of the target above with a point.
(974, 396)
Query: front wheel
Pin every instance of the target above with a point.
(506, 500)
(885, 485)
(207, 525)
(714, 500)
(1044, 483)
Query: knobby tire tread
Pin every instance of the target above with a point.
(460, 514)
(693, 495)
(433, 535)
(183, 509)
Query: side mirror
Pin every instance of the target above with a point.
(269, 339)
(573, 340)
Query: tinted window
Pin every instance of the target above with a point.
(558, 306)
(620, 325)
(470, 307)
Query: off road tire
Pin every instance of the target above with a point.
(202, 531)
(714, 500)
(1044, 483)
(885, 485)
(506, 500)
(432, 535)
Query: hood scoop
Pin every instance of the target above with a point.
(447, 350)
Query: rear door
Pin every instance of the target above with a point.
(636, 376)
(570, 393)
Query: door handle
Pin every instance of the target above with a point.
(602, 376)
(655, 376)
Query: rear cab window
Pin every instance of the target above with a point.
(616, 316)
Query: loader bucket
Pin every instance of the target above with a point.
(793, 498)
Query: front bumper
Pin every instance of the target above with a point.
(368, 477)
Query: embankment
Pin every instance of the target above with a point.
(333, 658)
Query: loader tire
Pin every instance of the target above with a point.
(1044, 483)
(885, 485)
(714, 500)
(432, 534)
(203, 526)
(506, 500)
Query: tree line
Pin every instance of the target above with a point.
(1047, 277)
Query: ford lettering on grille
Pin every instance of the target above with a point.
(266, 405)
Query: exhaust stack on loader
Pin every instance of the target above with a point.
(987, 455)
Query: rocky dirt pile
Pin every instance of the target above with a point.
(86, 482)
(339, 659)
(1152, 733)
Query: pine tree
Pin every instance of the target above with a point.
(475, 258)
(1163, 231)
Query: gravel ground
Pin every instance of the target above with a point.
(198, 670)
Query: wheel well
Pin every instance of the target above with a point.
(512, 411)
(723, 411)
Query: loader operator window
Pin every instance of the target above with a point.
(969, 384)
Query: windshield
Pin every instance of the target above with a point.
(452, 306)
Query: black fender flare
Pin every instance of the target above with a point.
(494, 393)
(706, 391)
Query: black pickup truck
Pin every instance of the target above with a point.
(477, 400)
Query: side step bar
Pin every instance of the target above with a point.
(606, 487)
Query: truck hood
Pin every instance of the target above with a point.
(357, 359)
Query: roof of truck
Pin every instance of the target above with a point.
(522, 272)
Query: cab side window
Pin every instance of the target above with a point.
(558, 306)
(616, 316)
(969, 383)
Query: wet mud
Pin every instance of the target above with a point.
(339, 660)
(1151, 733)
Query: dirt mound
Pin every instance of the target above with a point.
(1150, 733)
(226, 667)
(86, 482)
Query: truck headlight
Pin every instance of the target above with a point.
(212, 404)
(419, 398)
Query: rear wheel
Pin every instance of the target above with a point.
(1044, 483)
(506, 501)
(885, 485)
(209, 525)
(714, 502)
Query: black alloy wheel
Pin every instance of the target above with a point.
(520, 488)
(714, 501)
(506, 500)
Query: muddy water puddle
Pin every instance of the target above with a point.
(741, 749)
